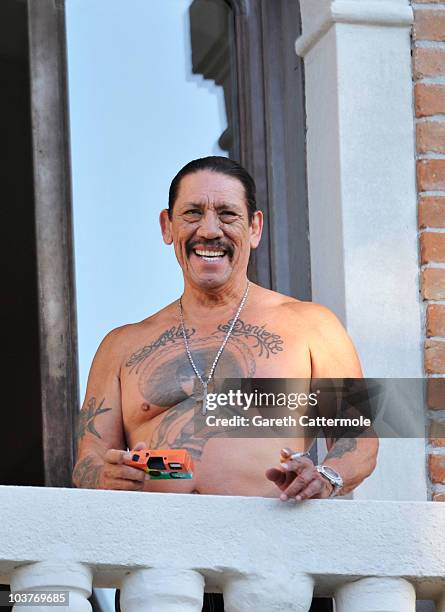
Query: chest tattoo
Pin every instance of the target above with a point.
(165, 376)
(267, 342)
(169, 336)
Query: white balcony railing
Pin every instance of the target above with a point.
(163, 550)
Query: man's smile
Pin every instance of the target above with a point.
(209, 255)
(214, 253)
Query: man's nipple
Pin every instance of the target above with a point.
(145, 407)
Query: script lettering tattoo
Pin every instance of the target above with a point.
(266, 341)
(171, 335)
(86, 473)
(342, 446)
(87, 416)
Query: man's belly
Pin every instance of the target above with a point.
(226, 466)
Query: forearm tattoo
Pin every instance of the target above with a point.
(87, 416)
(342, 446)
(86, 474)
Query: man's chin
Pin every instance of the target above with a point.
(210, 275)
(210, 281)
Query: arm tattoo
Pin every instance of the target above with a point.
(342, 446)
(86, 473)
(87, 416)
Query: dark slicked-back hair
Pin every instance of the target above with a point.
(223, 165)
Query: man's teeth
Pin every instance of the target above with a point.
(209, 253)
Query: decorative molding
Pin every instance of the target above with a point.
(212, 56)
(241, 7)
(92, 536)
(319, 16)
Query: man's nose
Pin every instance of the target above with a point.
(209, 226)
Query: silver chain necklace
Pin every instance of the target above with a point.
(218, 354)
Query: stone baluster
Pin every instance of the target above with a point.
(75, 578)
(275, 593)
(162, 590)
(376, 595)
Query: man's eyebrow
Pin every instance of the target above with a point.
(229, 204)
(219, 204)
(185, 204)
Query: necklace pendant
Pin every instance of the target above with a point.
(218, 354)
(204, 399)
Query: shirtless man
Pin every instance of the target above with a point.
(143, 391)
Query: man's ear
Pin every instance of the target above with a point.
(256, 229)
(166, 226)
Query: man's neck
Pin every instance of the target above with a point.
(221, 302)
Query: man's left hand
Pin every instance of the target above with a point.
(299, 479)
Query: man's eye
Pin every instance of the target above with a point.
(191, 213)
(227, 214)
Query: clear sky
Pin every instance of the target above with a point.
(137, 115)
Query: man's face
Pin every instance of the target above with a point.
(210, 229)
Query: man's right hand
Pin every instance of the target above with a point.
(118, 476)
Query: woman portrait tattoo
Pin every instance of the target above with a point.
(166, 378)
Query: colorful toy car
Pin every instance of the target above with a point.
(161, 464)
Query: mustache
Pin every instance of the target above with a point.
(216, 244)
